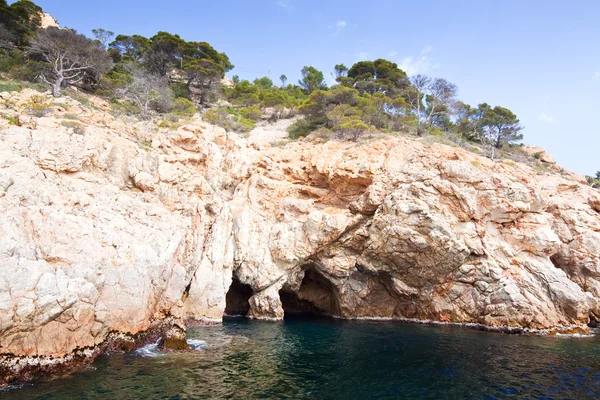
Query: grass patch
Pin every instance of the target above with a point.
(77, 128)
(169, 124)
(13, 120)
(81, 98)
(10, 85)
(38, 109)
(279, 143)
(119, 108)
(71, 116)
(146, 145)
(229, 119)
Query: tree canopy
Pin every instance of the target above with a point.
(22, 18)
(374, 76)
(369, 96)
(312, 79)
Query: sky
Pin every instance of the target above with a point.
(541, 59)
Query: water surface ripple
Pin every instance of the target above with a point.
(332, 359)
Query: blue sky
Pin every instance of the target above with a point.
(541, 59)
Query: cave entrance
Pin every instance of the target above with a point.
(236, 299)
(317, 296)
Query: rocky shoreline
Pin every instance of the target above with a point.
(16, 370)
(106, 232)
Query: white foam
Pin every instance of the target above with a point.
(197, 344)
(149, 350)
(11, 387)
(575, 335)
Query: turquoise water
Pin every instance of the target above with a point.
(332, 359)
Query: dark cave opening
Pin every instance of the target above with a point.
(317, 296)
(236, 299)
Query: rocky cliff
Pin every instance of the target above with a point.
(110, 229)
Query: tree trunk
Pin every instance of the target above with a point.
(56, 86)
(189, 83)
(144, 110)
(499, 139)
(419, 129)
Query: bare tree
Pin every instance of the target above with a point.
(103, 37)
(440, 99)
(488, 139)
(144, 88)
(70, 57)
(414, 97)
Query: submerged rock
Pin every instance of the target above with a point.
(101, 233)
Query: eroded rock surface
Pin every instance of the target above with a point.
(109, 231)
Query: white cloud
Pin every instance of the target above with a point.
(546, 118)
(392, 54)
(339, 26)
(285, 4)
(597, 75)
(420, 64)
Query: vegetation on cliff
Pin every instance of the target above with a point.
(594, 181)
(145, 75)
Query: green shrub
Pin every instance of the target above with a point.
(13, 120)
(8, 60)
(221, 117)
(434, 131)
(147, 145)
(352, 130)
(28, 71)
(231, 111)
(253, 112)
(323, 134)
(38, 109)
(126, 108)
(166, 123)
(37, 99)
(245, 125)
(276, 97)
(180, 90)
(183, 108)
(213, 116)
(304, 126)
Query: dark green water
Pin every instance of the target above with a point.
(329, 359)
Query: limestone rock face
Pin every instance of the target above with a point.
(127, 224)
(48, 21)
